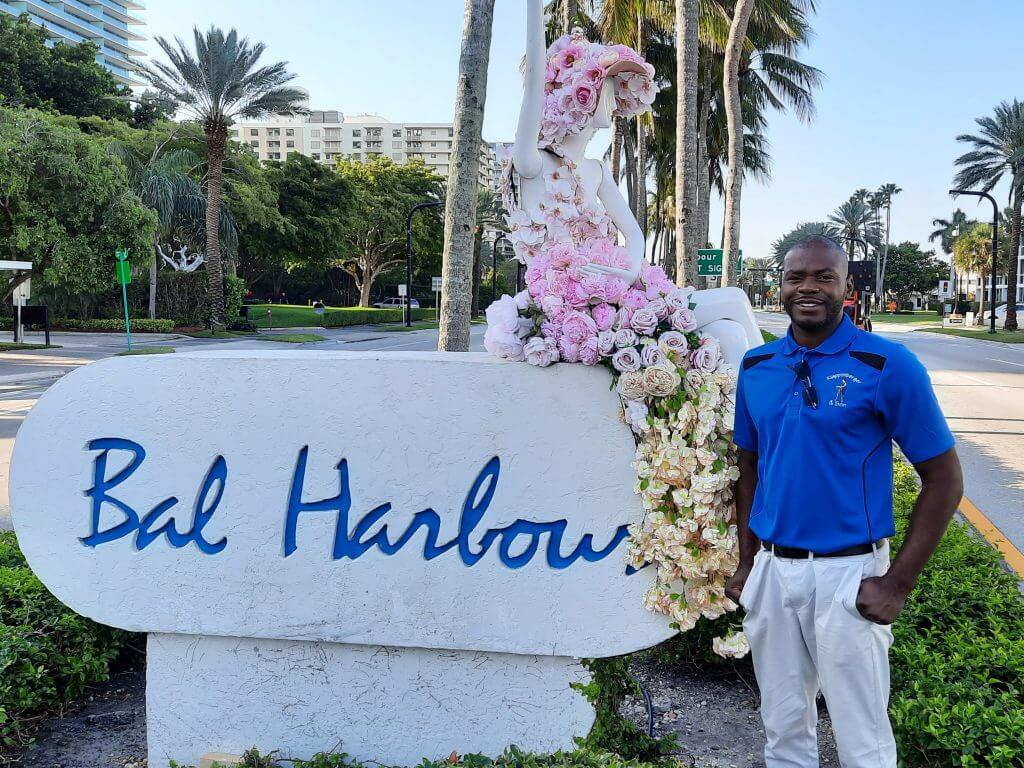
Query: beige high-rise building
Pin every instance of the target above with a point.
(327, 135)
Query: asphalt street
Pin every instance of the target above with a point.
(979, 384)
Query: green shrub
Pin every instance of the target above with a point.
(338, 318)
(234, 293)
(510, 758)
(48, 653)
(139, 325)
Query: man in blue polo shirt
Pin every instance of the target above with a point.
(816, 415)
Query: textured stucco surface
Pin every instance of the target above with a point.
(395, 706)
(416, 430)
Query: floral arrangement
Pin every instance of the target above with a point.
(678, 399)
(576, 72)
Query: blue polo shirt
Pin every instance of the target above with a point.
(825, 474)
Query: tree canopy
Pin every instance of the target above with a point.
(911, 270)
(59, 77)
(66, 204)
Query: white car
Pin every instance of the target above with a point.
(395, 302)
(1001, 315)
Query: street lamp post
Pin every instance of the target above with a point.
(408, 256)
(494, 265)
(995, 251)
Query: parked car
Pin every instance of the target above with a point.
(1001, 315)
(396, 302)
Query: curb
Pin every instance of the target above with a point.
(29, 378)
(1001, 344)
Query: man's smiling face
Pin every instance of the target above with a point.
(814, 284)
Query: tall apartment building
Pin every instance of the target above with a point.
(326, 136)
(110, 24)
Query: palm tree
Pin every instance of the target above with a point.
(998, 152)
(947, 230)
(460, 204)
(688, 46)
(489, 215)
(734, 123)
(782, 246)
(885, 194)
(161, 181)
(972, 253)
(852, 221)
(216, 84)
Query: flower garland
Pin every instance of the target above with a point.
(678, 399)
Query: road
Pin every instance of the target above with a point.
(980, 385)
(24, 376)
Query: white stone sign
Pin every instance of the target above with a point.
(333, 506)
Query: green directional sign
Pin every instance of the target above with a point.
(123, 271)
(709, 262)
(122, 254)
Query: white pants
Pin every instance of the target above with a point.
(805, 633)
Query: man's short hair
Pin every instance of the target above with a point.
(823, 241)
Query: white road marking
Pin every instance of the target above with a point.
(1008, 362)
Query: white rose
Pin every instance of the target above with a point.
(503, 315)
(673, 342)
(507, 346)
(636, 416)
(541, 351)
(522, 300)
(678, 298)
(606, 343)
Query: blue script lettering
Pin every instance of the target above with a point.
(353, 544)
(142, 527)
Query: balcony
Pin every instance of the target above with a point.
(57, 22)
(119, 11)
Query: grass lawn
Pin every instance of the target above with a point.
(1008, 337)
(284, 316)
(917, 318)
(10, 346)
(293, 338)
(146, 351)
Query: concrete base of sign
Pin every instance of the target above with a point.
(395, 706)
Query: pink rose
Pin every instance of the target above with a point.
(552, 305)
(585, 96)
(659, 307)
(604, 316)
(626, 360)
(551, 330)
(684, 320)
(673, 342)
(625, 338)
(570, 352)
(541, 352)
(589, 354)
(606, 343)
(644, 322)
(578, 327)
(633, 299)
(707, 356)
(650, 354)
(678, 298)
(624, 318)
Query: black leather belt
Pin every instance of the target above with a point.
(795, 553)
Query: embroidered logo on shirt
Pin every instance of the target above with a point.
(839, 399)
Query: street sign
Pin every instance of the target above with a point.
(122, 254)
(22, 293)
(402, 290)
(709, 262)
(123, 272)
(944, 290)
(435, 284)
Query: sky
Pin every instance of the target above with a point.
(903, 78)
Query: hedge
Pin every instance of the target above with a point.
(957, 661)
(97, 325)
(338, 318)
(48, 653)
(510, 758)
